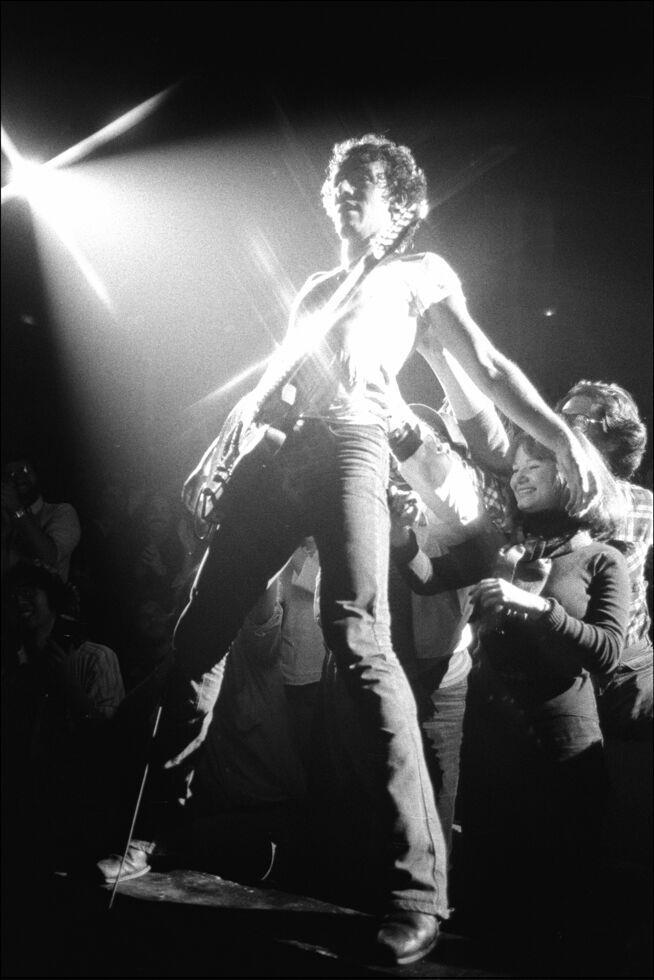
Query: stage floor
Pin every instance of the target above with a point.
(191, 924)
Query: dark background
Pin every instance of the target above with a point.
(531, 120)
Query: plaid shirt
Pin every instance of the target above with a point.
(633, 537)
(496, 493)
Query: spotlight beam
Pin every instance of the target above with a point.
(238, 379)
(9, 149)
(80, 259)
(86, 146)
(110, 131)
(25, 184)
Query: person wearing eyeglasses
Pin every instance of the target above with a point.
(608, 416)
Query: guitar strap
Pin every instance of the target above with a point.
(382, 246)
(322, 367)
(274, 401)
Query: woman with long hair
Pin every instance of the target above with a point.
(551, 607)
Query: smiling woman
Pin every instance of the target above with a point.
(538, 487)
(551, 609)
(535, 482)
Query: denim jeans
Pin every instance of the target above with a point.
(441, 712)
(329, 481)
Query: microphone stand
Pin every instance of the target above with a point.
(137, 806)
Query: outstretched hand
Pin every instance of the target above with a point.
(581, 489)
(407, 511)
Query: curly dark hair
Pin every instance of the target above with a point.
(623, 437)
(405, 180)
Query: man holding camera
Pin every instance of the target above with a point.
(33, 528)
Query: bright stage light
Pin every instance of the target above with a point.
(25, 176)
(9, 149)
(55, 201)
(42, 185)
(58, 200)
(74, 153)
(68, 203)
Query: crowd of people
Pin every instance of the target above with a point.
(337, 748)
(515, 706)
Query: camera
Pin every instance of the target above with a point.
(13, 473)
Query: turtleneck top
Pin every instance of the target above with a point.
(587, 581)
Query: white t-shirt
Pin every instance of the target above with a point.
(351, 377)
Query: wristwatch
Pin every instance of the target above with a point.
(405, 441)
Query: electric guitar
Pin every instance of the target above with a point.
(259, 422)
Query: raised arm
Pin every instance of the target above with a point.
(52, 544)
(448, 327)
(460, 567)
(488, 442)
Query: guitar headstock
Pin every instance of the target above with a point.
(392, 237)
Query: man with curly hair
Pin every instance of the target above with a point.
(329, 480)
